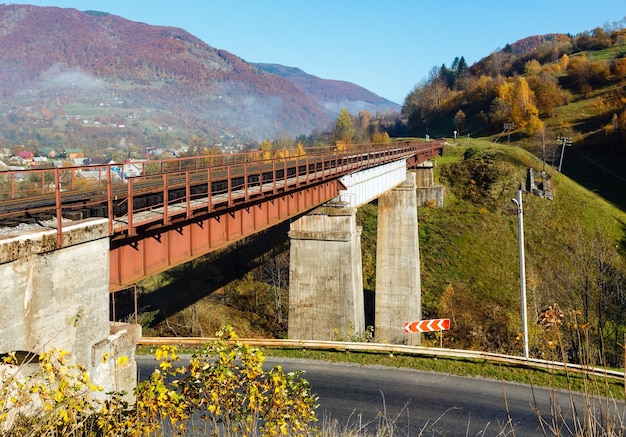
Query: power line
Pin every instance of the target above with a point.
(600, 166)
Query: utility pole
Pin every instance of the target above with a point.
(565, 142)
(522, 268)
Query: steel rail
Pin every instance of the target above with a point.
(393, 349)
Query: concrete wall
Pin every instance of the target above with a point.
(427, 191)
(398, 287)
(325, 275)
(59, 298)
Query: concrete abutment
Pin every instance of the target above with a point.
(58, 298)
(427, 191)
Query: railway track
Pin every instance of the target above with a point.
(120, 191)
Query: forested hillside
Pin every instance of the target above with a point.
(523, 87)
(539, 93)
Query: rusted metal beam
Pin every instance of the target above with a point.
(156, 250)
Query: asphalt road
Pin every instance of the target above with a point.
(422, 403)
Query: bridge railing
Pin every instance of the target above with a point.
(135, 186)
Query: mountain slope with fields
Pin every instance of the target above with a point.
(72, 77)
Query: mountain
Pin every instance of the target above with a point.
(332, 95)
(61, 65)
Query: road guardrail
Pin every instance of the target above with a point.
(343, 346)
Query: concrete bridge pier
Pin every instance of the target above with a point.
(398, 287)
(326, 275)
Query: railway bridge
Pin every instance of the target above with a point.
(72, 235)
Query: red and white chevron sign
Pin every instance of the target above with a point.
(427, 325)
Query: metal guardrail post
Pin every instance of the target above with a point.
(166, 199)
(209, 191)
(109, 199)
(187, 195)
(59, 209)
(230, 186)
(131, 205)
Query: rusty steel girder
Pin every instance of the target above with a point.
(155, 250)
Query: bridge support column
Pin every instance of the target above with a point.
(54, 297)
(325, 275)
(427, 191)
(398, 288)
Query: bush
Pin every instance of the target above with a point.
(224, 387)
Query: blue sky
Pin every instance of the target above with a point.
(385, 46)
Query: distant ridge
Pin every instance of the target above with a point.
(54, 61)
(332, 95)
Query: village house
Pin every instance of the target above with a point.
(48, 152)
(73, 153)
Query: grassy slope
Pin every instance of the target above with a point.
(474, 247)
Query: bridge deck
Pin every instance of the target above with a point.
(159, 214)
(169, 212)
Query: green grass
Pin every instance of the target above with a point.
(466, 368)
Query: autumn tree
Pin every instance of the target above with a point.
(481, 91)
(585, 73)
(459, 120)
(275, 273)
(300, 149)
(548, 94)
(364, 126)
(425, 103)
(618, 68)
(564, 62)
(523, 112)
(593, 285)
(344, 131)
(197, 145)
(381, 138)
(266, 147)
(500, 111)
(597, 39)
(532, 68)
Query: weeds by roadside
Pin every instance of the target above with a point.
(224, 391)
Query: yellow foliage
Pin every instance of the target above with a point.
(122, 361)
(300, 148)
(381, 138)
(340, 146)
(564, 62)
(534, 125)
(226, 384)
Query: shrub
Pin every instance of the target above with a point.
(224, 387)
